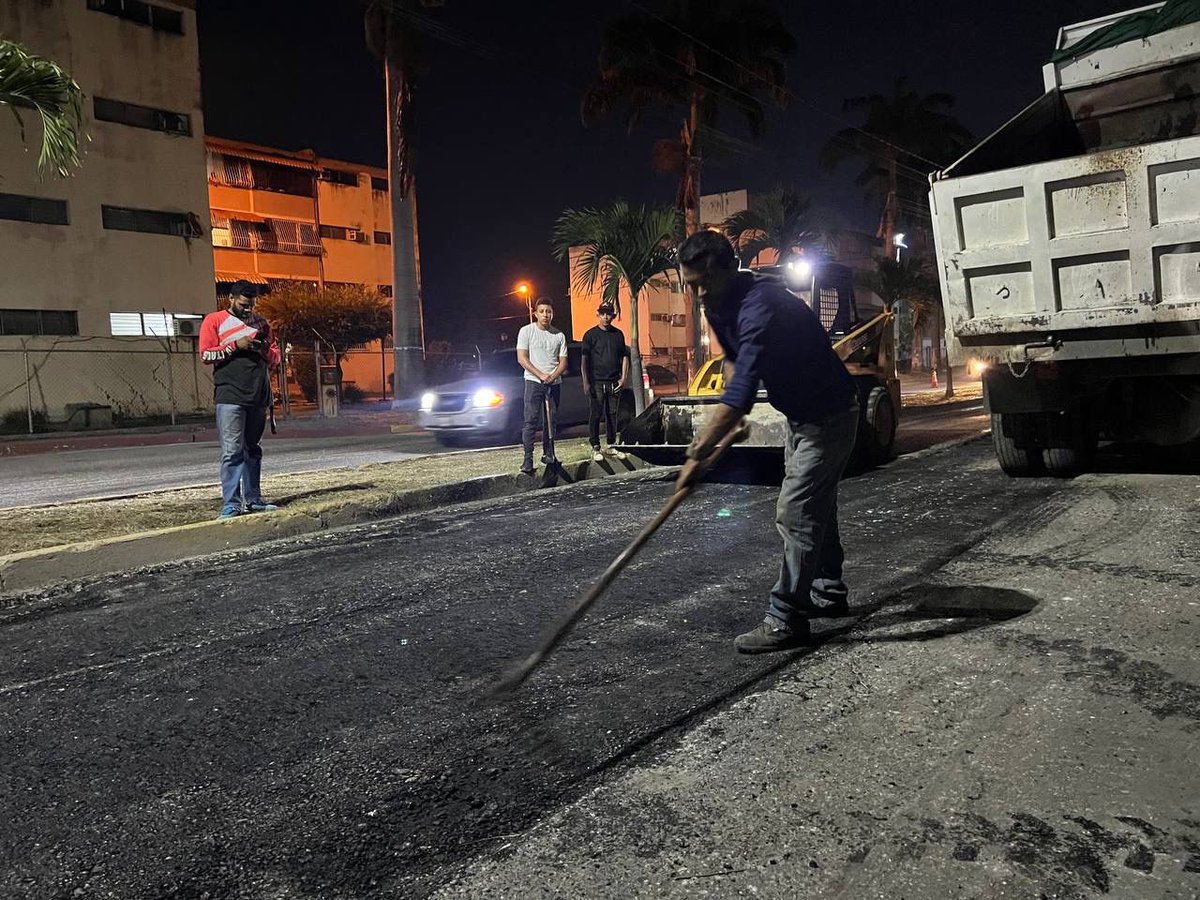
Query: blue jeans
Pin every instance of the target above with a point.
(240, 429)
(810, 575)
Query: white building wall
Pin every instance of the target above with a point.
(83, 266)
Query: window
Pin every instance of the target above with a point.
(678, 320)
(142, 116)
(159, 324)
(338, 233)
(383, 237)
(378, 184)
(267, 176)
(39, 321)
(20, 208)
(386, 290)
(157, 17)
(150, 221)
(338, 176)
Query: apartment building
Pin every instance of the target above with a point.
(128, 232)
(280, 216)
(120, 248)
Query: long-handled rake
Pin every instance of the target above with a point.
(584, 602)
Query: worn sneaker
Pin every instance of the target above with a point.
(260, 506)
(229, 510)
(769, 637)
(597, 456)
(616, 454)
(527, 468)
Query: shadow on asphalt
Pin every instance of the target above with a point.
(925, 612)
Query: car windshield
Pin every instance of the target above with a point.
(502, 362)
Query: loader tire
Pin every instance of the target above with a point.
(877, 427)
(1016, 449)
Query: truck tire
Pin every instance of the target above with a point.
(1071, 443)
(1016, 450)
(876, 426)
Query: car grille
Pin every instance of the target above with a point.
(450, 403)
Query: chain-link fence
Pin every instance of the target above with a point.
(73, 384)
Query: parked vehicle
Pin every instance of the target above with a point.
(1068, 245)
(489, 407)
(663, 381)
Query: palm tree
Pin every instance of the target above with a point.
(903, 138)
(913, 281)
(392, 35)
(620, 245)
(782, 220)
(700, 57)
(29, 82)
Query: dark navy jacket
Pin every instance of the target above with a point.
(774, 337)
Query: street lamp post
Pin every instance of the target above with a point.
(527, 292)
(898, 240)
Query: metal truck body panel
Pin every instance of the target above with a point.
(1068, 246)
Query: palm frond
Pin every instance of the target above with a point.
(29, 82)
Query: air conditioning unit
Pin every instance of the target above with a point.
(353, 234)
(187, 327)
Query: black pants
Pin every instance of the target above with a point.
(536, 396)
(602, 401)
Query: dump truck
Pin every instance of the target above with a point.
(662, 433)
(1068, 247)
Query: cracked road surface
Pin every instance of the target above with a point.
(1011, 711)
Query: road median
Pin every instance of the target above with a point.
(40, 546)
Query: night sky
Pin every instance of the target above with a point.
(500, 147)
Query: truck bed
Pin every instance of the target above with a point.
(1074, 231)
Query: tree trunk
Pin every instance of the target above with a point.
(635, 358)
(941, 326)
(691, 216)
(407, 321)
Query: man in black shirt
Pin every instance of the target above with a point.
(605, 369)
(773, 337)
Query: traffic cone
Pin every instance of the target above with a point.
(933, 378)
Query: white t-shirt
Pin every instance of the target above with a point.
(545, 348)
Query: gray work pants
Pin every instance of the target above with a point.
(810, 575)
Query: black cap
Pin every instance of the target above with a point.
(243, 288)
(606, 308)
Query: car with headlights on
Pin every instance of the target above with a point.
(489, 407)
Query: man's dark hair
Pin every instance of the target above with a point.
(707, 245)
(243, 288)
(544, 301)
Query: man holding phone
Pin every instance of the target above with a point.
(240, 347)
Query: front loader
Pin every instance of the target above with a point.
(662, 433)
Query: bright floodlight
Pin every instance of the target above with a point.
(427, 401)
(898, 240)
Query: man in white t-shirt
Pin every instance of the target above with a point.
(542, 353)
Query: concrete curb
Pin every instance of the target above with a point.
(69, 562)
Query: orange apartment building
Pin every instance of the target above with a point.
(281, 216)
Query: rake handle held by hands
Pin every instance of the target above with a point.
(585, 600)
